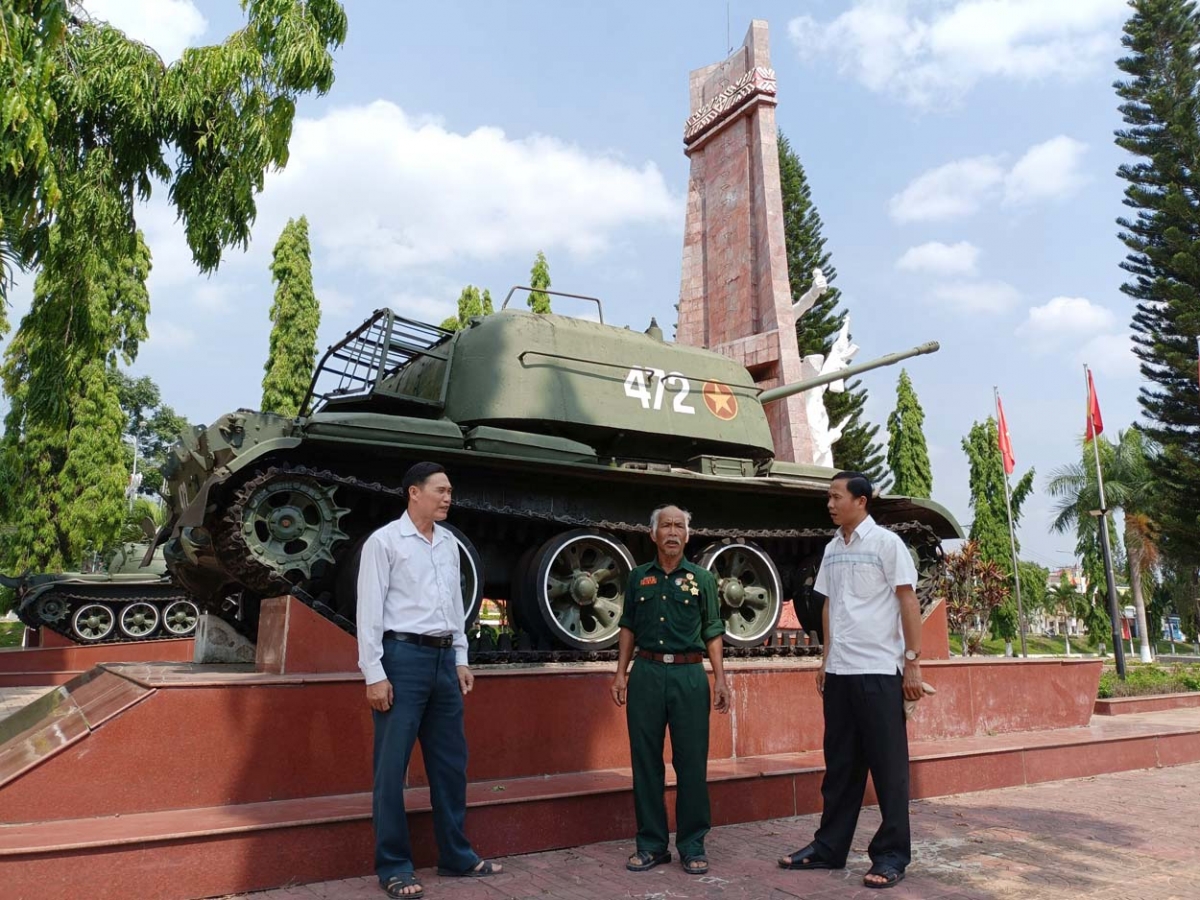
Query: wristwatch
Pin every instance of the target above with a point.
(912, 655)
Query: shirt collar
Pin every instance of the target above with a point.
(864, 529)
(408, 529)
(684, 566)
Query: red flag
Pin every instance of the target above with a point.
(1095, 424)
(1006, 450)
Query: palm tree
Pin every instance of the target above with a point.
(1127, 484)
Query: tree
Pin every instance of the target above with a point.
(152, 426)
(471, 303)
(907, 455)
(295, 318)
(1161, 110)
(1129, 485)
(90, 119)
(989, 528)
(857, 450)
(539, 280)
(1034, 581)
(974, 587)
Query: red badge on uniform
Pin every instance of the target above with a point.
(648, 580)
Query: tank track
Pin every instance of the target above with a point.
(237, 559)
(115, 600)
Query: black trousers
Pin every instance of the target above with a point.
(864, 732)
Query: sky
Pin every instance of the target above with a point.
(960, 154)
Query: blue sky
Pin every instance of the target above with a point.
(959, 151)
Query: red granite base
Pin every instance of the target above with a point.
(58, 661)
(1123, 706)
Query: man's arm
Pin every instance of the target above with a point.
(624, 655)
(827, 634)
(720, 685)
(374, 568)
(910, 622)
(712, 632)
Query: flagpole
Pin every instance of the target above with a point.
(1012, 534)
(1105, 549)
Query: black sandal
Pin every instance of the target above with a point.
(687, 861)
(481, 869)
(807, 858)
(647, 860)
(884, 870)
(396, 884)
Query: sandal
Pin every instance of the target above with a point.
(893, 875)
(689, 864)
(808, 858)
(647, 860)
(481, 869)
(397, 883)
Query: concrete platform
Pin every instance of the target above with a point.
(60, 661)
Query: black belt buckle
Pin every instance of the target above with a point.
(440, 641)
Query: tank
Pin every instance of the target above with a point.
(559, 434)
(124, 601)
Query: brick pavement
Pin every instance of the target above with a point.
(1128, 835)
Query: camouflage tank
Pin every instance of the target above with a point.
(125, 601)
(560, 435)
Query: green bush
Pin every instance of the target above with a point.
(1145, 680)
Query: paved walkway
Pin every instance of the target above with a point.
(12, 699)
(1129, 835)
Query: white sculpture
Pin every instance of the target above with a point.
(811, 366)
(809, 297)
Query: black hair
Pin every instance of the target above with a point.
(419, 473)
(858, 484)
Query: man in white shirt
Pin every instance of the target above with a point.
(871, 665)
(413, 653)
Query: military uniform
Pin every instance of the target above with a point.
(670, 615)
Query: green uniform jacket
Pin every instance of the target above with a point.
(676, 613)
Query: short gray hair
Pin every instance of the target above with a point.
(687, 516)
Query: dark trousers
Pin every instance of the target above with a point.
(864, 732)
(427, 704)
(665, 696)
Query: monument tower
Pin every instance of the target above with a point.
(735, 297)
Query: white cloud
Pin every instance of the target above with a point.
(424, 308)
(420, 196)
(1110, 354)
(930, 52)
(937, 258)
(951, 191)
(1046, 171)
(167, 26)
(1065, 319)
(166, 336)
(977, 296)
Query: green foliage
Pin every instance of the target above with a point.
(539, 280)
(857, 450)
(152, 424)
(471, 303)
(1034, 579)
(975, 587)
(908, 456)
(295, 318)
(1161, 108)
(989, 528)
(1004, 620)
(1142, 681)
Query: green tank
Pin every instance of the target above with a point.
(560, 435)
(122, 601)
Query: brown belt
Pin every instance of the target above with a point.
(672, 658)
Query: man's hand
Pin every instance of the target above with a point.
(379, 695)
(821, 677)
(721, 696)
(466, 679)
(618, 688)
(912, 680)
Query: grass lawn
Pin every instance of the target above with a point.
(1155, 678)
(10, 634)
(1034, 644)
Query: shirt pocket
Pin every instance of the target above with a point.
(865, 579)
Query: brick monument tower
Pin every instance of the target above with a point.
(734, 297)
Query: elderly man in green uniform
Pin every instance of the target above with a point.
(672, 618)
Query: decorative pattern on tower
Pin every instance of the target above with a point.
(734, 297)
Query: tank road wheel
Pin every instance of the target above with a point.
(138, 620)
(748, 588)
(470, 575)
(50, 609)
(180, 618)
(290, 524)
(93, 622)
(579, 587)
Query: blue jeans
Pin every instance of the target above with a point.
(427, 704)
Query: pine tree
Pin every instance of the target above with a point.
(295, 318)
(908, 456)
(471, 303)
(857, 450)
(989, 528)
(1161, 109)
(539, 280)
(90, 120)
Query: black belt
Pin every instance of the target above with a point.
(672, 658)
(425, 640)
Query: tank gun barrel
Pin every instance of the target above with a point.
(787, 390)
